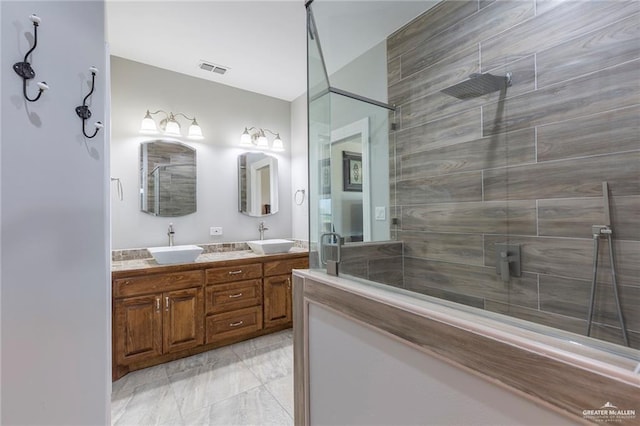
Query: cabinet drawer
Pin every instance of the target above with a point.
(281, 267)
(124, 287)
(233, 324)
(228, 297)
(234, 273)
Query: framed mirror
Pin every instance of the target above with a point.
(167, 178)
(257, 184)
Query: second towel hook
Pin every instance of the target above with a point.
(83, 110)
(296, 198)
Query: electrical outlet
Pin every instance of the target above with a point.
(215, 230)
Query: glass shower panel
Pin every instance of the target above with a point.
(349, 158)
(353, 38)
(349, 169)
(319, 132)
(357, 154)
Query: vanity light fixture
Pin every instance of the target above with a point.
(24, 68)
(169, 125)
(253, 136)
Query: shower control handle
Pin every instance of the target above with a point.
(508, 261)
(504, 266)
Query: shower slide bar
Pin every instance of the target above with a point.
(605, 231)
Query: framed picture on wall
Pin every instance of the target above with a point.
(352, 171)
(325, 176)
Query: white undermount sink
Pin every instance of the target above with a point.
(270, 246)
(175, 254)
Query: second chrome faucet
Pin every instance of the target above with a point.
(171, 233)
(261, 229)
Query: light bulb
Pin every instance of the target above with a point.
(148, 126)
(195, 132)
(245, 139)
(173, 128)
(277, 144)
(263, 142)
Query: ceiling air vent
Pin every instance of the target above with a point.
(208, 66)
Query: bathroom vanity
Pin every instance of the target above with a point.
(165, 312)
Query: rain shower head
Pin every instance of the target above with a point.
(478, 85)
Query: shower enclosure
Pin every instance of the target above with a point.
(459, 150)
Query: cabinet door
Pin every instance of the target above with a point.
(183, 319)
(138, 328)
(277, 300)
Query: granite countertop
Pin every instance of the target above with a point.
(128, 265)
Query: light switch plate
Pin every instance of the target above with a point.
(381, 213)
(215, 230)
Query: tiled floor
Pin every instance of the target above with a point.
(249, 383)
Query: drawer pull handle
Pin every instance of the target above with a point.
(166, 303)
(236, 324)
(157, 304)
(239, 271)
(232, 296)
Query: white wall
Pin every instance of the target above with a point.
(55, 297)
(359, 376)
(222, 112)
(299, 168)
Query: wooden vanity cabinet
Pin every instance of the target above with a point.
(149, 325)
(187, 309)
(277, 291)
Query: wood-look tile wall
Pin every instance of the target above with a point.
(378, 261)
(524, 165)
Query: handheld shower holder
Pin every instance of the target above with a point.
(600, 230)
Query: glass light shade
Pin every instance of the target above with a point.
(195, 132)
(148, 126)
(245, 139)
(173, 128)
(263, 142)
(277, 144)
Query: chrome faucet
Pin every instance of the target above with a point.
(261, 229)
(170, 233)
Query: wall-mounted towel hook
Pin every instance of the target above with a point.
(118, 187)
(83, 110)
(24, 69)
